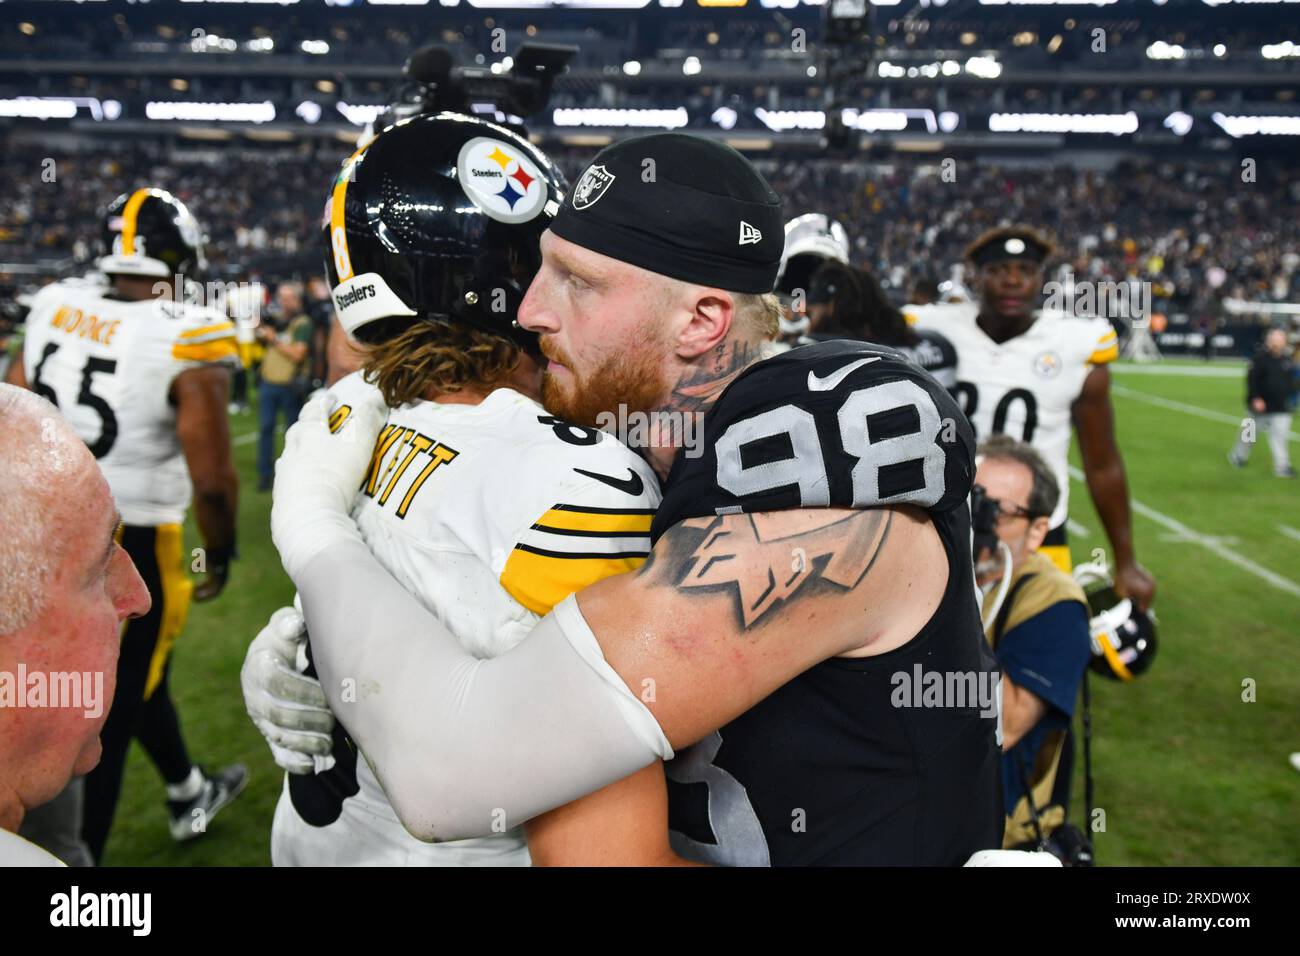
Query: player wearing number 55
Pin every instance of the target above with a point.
(817, 545)
(143, 379)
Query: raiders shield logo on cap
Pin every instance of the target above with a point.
(591, 186)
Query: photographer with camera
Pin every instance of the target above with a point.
(1036, 619)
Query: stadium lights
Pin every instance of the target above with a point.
(1179, 123)
(1279, 51)
(1116, 124)
(533, 4)
(985, 67)
(262, 112)
(39, 107)
(593, 116)
(59, 107)
(209, 43)
(315, 47)
(260, 45)
(725, 117)
(691, 65)
(1046, 3)
(632, 68)
(889, 120)
(1220, 50)
(309, 111)
(1160, 50)
(781, 120)
(359, 114)
(1239, 126)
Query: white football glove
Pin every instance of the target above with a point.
(317, 477)
(287, 706)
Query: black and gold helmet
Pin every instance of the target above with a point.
(1123, 637)
(149, 232)
(438, 217)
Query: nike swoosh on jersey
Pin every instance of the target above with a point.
(631, 485)
(816, 384)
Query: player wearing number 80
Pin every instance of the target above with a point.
(1033, 373)
(144, 380)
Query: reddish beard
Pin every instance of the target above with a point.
(633, 379)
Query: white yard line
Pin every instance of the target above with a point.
(1125, 392)
(1289, 532)
(1076, 530)
(245, 439)
(1209, 543)
(1187, 371)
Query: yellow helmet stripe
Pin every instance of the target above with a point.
(338, 233)
(1112, 658)
(129, 215)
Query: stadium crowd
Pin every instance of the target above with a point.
(1196, 232)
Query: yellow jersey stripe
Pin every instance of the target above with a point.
(213, 351)
(1102, 356)
(208, 331)
(130, 213)
(539, 581)
(608, 521)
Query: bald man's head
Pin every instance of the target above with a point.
(44, 470)
(65, 589)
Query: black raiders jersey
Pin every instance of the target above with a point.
(849, 763)
(931, 350)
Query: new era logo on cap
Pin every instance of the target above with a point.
(748, 234)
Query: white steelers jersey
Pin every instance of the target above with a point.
(489, 514)
(1024, 387)
(109, 365)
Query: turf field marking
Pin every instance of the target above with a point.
(1125, 392)
(1209, 543)
(1289, 532)
(1186, 371)
(1076, 530)
(245, 439)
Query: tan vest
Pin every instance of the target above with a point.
(1048, 586)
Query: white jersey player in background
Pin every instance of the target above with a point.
(143, 376)
(484, 507)
(1032, 374)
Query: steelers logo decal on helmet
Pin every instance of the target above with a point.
(500, 180)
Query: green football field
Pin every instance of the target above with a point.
(1186, 771)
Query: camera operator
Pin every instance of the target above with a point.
(1036, 618)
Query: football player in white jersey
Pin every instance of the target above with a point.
(486, 508)
(143, 377)
(1032, 374)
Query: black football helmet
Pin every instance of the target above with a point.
(149, 232)
(439, 217)
(1123, 638)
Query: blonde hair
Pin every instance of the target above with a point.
(760, 313)
(436, 356)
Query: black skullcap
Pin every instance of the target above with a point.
(1007, 244)
(700, 212)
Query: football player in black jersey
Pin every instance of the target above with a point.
(848, 303)
(811, 556)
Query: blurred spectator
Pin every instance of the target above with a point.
(1270, 384)
(287, 337)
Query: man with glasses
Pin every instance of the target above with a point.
(1038, 627)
